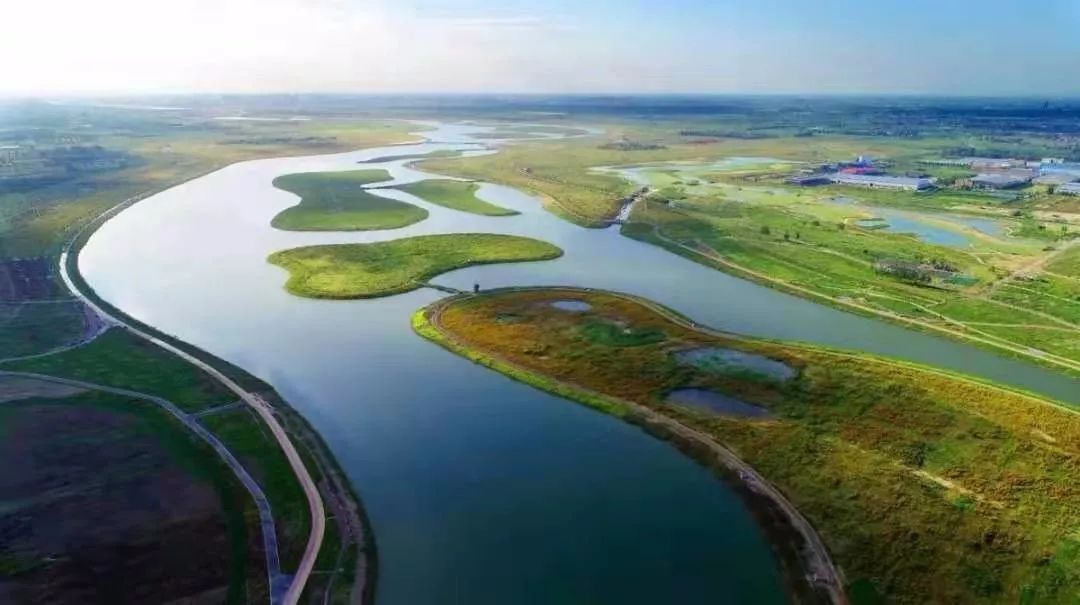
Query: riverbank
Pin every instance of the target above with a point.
(837, 430)
(348, 549)
(651, 233)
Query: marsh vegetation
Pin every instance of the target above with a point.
(924, 485)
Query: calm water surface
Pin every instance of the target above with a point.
(480, 489)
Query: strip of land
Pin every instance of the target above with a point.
(456, 195)
(922, 485)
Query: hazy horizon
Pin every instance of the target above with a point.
(845, 47)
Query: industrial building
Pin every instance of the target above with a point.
(880, 181)
(811, 179)
(1069, 189)
(1058, 167)
(1002, 180)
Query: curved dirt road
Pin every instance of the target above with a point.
(265, 411)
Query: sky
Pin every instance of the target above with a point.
(965, 47)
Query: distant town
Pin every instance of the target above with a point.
(1056, 174)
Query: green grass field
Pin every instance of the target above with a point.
(457, 195)
(385, 268)
(121, 359)
(28, 329)
(336, 201)
(924, 486)
(251, 442)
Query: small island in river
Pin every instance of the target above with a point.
(337, 201)
(852, 462)
(457, 195)
(393, 267)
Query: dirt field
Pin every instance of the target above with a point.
(104, 500)
(14, 388)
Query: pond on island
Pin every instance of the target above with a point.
(720, 360)
(711, 401)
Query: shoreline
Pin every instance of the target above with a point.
(810, 576)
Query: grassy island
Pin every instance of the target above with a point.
(456, 195)
(924, 486)
(336, 201)
(386, 268)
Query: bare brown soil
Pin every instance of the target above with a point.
(14, 388)
(96, 508)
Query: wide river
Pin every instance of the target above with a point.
(480, 489)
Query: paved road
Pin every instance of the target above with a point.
(266, 412)
(266, 517)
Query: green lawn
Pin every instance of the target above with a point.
(385, 268)
(336, 201)
(458, 195)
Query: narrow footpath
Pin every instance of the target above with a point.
(265, 411)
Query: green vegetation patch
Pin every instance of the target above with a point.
(442, 153)
(385, 268)
(36, 327)
(251, 442)
(458, 195)
(120, 359)
(336, 201)
(615, 335)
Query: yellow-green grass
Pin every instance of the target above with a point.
(393, 267)
(561, 172)
(336, 201)
(458, 195)
(925, 486)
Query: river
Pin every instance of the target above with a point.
(479, 489)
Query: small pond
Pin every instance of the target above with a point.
(577, 306)
(712, 401)
(721, 360)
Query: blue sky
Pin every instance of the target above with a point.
(768, 46)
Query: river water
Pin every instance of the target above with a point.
(480, 489)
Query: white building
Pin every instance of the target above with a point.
(880, 181)
(1069, 189)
